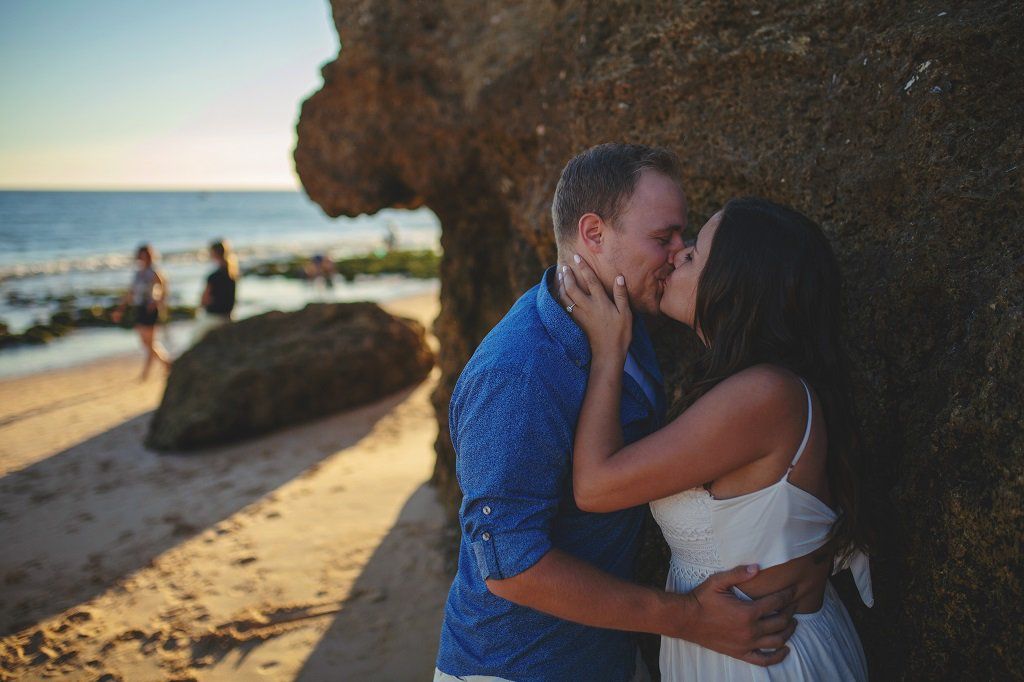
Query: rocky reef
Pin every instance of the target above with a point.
(69, 318)
(897, 126)
(418, 264)
(278, 369)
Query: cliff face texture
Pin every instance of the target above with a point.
(898, 126)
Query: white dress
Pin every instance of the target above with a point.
(767, 527)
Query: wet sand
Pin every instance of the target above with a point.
(314, 553)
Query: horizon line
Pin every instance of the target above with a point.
(225, 188)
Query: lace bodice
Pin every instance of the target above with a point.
(685, 521)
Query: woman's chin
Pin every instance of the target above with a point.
(672, 315)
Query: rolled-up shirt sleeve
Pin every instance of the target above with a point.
(512, 464)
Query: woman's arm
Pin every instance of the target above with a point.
(118, 313)
(160, 290)
(734, 424)
(608, 324)
(598, 430)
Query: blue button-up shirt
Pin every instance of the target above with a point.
(512, 416)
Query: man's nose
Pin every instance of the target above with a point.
(675, 246)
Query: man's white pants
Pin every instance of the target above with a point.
(641, 674)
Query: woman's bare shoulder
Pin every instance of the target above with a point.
(769, 389)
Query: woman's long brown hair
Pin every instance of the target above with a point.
(770, 293)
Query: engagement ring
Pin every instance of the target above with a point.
(569, 308)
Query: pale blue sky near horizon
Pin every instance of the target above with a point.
(122, 94)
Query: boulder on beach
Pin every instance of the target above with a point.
(278, 369)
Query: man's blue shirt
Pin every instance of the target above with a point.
(512, 417)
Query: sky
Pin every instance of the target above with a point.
(147, 94)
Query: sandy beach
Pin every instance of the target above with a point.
(313, 553)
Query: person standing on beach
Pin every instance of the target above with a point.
(320, 269)
(544, 590)
(390, 236)
(218, 299)
(147, 295)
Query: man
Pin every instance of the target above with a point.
(543, 589)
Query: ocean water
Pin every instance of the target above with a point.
(59, 244)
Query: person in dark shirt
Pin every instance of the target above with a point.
(218, 299)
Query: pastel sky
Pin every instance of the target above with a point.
(106, 94)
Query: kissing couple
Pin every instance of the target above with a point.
(559, 428)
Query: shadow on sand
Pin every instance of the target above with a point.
(388, 627)
(75, 523)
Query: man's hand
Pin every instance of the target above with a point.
(752, 631)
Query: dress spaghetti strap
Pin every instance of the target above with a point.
(807, 431)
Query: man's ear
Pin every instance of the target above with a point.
(592, 231)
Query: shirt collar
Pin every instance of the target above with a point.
(642, 349)
(559, 325)
(568, 334)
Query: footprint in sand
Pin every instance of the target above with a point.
(16, 576)
(179, 526)
(44, 496)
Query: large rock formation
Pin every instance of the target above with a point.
(279, 369)
(898, 126)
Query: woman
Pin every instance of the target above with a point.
(760, 468)
(147, 296)
(218, 299)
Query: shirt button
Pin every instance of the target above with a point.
(487, 510)
(486, 536)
